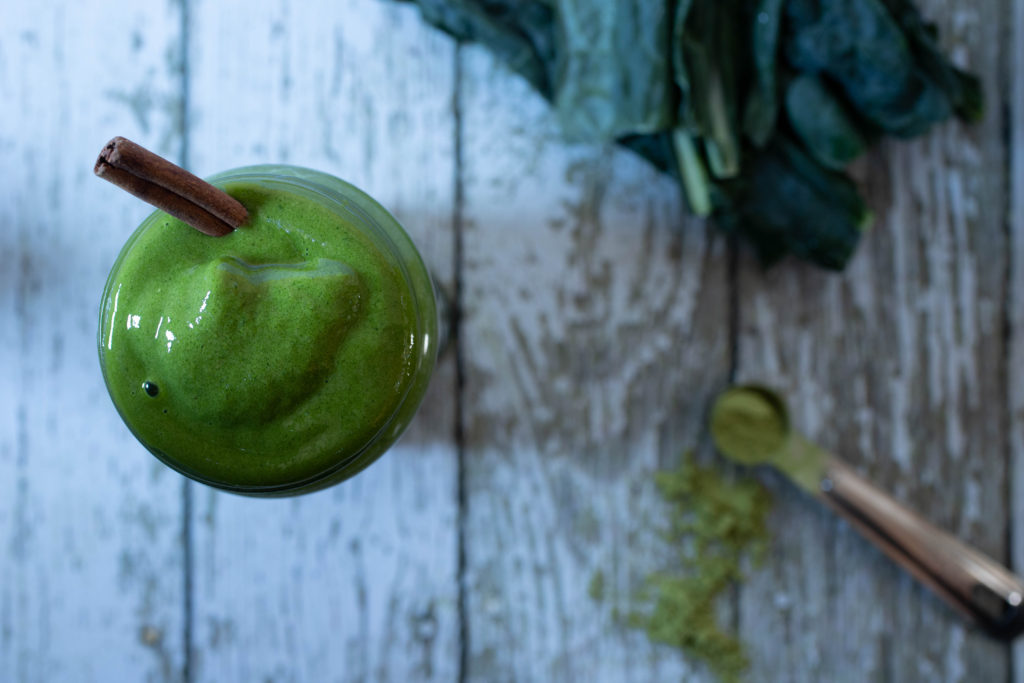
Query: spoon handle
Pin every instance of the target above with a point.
(985, 591)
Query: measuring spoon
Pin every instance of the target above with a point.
(750, 425)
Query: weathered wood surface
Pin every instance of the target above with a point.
(91, 571)
(900, 365)
(595, 329)
(1014, 88)
(596, 324)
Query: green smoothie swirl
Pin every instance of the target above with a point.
(282, 357)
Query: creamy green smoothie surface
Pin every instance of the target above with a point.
(268, 358)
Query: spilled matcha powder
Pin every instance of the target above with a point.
(595, 589)
(715, 523)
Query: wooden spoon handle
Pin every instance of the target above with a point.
(985, 591)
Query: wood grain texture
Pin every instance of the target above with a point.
(897, 365)
(595, 330)
(91, 581)
(358, 582)
(1013, 80)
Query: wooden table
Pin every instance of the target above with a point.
(597, 322)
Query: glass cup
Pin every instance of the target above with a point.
(237, 395)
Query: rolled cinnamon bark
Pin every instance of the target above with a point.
(169, 187)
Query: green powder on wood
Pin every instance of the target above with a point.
(596, 587)
(716, 524)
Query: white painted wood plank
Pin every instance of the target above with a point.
(1014, 76)
(595, 331)
(90, 524)
(898, 365)
(358, 582)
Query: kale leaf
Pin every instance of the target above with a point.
(820, 218)
(822, 122)
(591, 74)
(755, 106)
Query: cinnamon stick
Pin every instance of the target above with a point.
(169, 187)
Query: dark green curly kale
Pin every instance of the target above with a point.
(756, 106)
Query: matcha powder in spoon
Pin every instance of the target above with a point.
(749, 424)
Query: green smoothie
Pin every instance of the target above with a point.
(281, 358)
